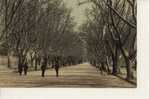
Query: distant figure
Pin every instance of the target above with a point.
(43, 67)
(25, 68)
(57, 67)
(43, 70)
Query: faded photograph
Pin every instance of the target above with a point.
(68, 43)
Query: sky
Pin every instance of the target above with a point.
(78, 12)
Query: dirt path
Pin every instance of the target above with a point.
(82, 75)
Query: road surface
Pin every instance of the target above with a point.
(79, 76)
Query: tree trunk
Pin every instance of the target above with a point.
(128, 66)
(36, 64)
(108, 65)
(8, 61)
(32, 61)
(114, 59)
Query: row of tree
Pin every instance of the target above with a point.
(110, 35)
(39, 32)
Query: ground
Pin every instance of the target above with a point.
(83, 75)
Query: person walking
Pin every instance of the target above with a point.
(57, 65)
(43, 67)
(25, 68)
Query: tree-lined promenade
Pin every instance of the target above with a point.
(42, 36)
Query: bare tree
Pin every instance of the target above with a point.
(115, 24)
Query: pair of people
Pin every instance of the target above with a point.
(23, 67)
(56, 67)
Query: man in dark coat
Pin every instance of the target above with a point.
(57, 67)
(25, 68)
(43, 68)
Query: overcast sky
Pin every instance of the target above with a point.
(78, 12)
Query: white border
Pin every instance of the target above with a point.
(141, 92)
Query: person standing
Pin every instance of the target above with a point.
(57, 65)
(43, 67)
(25, 68)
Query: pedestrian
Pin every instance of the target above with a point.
(25, 68)
(57, 67)
(43, 68)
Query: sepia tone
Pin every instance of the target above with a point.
(68, 43)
